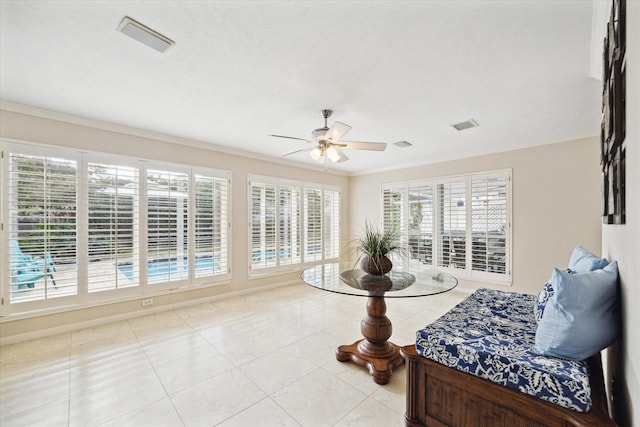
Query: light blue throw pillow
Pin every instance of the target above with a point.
(581, 317)
(582, 261)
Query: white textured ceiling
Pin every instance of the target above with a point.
(240, 70)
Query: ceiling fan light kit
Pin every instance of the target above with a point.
(316, 154)
(327, 142)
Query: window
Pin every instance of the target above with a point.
(167, 225)
(331, 229)
(113, 198)
(290, 228)
(291, 223)
(263, 225)
(452, 224)
(41, 225)
(80, 228)
(211, 225)
(312, 224)
(460, 223)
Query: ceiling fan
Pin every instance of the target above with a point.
(326, 142)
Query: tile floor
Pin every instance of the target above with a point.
(264, 359)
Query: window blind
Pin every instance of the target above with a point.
(263, 225)
(113, 226)
(290, 227)
(167, 226)
(312, 224)
(463, 221)
(82, 227)
(42, 225)
(453, 224)
(489, 224)
(331, 230)
(211, 226)
(307, 228)
(420, 223)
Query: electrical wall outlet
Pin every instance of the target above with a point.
(146, 302)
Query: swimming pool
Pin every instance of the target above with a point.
(165, 269)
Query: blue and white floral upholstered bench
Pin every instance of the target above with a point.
(503, 359)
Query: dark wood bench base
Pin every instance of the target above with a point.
(439, 396)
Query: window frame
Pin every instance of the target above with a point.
(467, 273)
(303, 187)
(83, 297)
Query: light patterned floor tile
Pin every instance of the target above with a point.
(36, 391)
(260, 359)
(26, 349)
(158, 414)
(104, 401)
(264, 413)
(51, 414)
(318, 399)
(276, 370)
(371, 413)
(163, 351)
(116, 331)
(216, 399)
(198, 366)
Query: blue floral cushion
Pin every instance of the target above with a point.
(545, 294)
(491, 334)
(543, 297)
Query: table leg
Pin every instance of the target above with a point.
(374, 352)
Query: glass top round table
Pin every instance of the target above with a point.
(374, 352)
(348, 279)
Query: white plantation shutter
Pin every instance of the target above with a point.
(113, 201)
(331, 230)
(42, 226)
(263, 225)
(393, 207)
(453, 224)
(463, 221)
(290, 226)
(80, 228)
(421, 222)
(394, 211)
(409, 209)
(291, 223)
(312, 224)
(211, 226)
(167, 225)
(489, 222)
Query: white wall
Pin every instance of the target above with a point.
(31, 128)
(556, 203)
(622, 243)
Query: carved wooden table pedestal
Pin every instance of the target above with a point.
(374, 352)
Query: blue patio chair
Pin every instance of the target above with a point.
(26, 271)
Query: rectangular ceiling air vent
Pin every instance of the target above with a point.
(145, 35)
(465, 125)
(402, 144)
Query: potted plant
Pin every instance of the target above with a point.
(375, 247)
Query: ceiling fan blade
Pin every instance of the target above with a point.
(336, 132)
(299, 151)
(290, 137)
(339, 156)
(360, 145)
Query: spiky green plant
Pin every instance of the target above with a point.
(375, 243)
